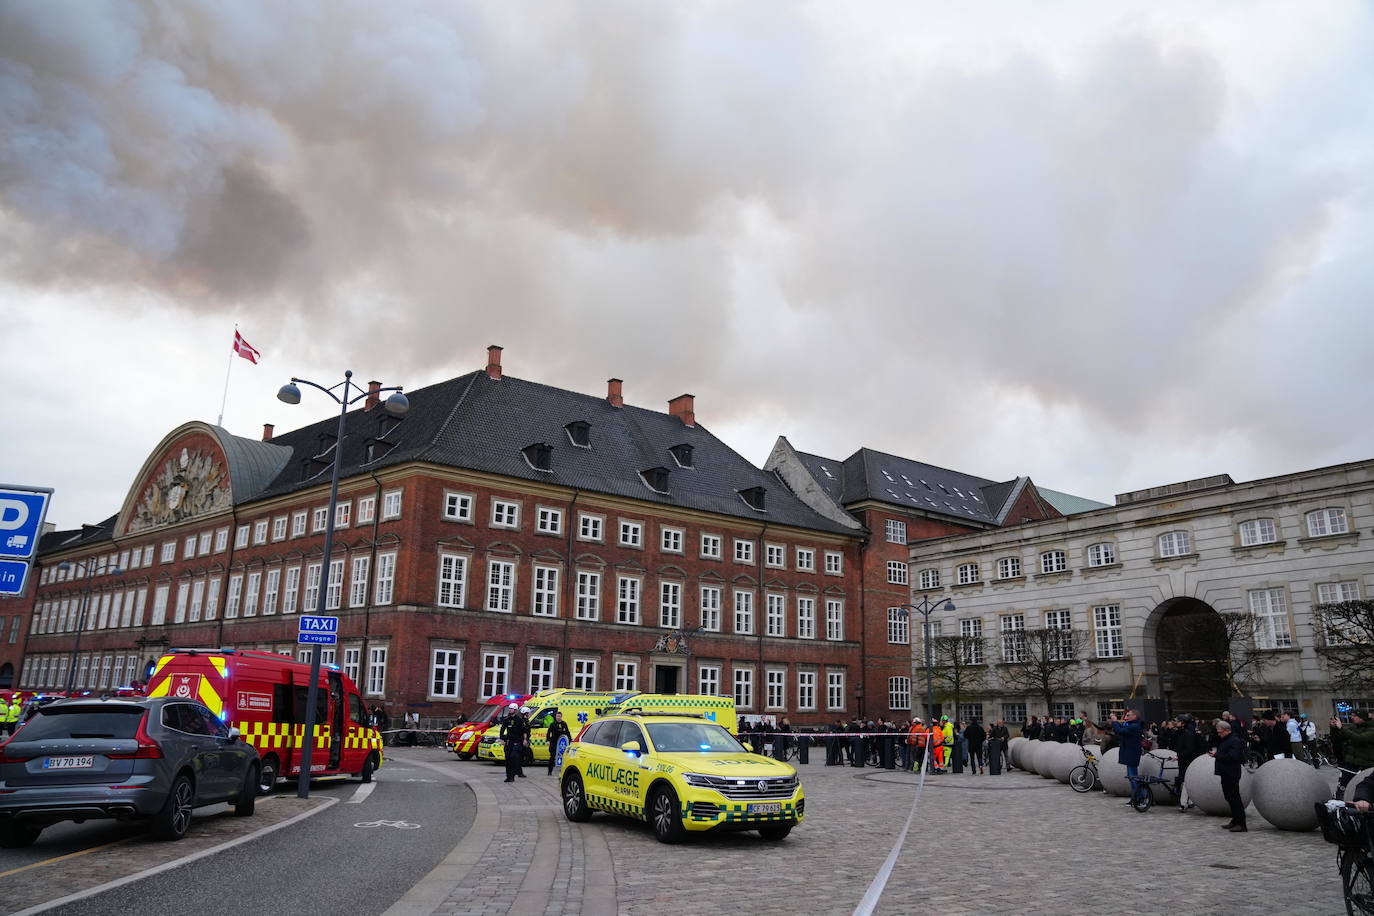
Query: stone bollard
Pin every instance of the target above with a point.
(1113, 774)
(1062, 761)
(804, 749)
(1285, 791)
(1355, 781)
(1204, 787)
(1042, 755)
(1014, 750)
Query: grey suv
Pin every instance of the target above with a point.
(127, 758)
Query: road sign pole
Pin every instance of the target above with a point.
(308, 739)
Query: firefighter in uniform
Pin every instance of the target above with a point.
(515, 735)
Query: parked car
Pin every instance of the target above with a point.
(127, 758)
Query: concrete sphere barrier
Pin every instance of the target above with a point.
(1014, 748)
(1285, 791)
(1094, 749)
(1025, 755)
(1156, 768)
(1113, 774)
(1355, 781)
(1204, 787)
(1063, 760)
(1041, 757)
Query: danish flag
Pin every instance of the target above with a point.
(245, 349)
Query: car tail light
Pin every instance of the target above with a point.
(147, 747)
(10, 757)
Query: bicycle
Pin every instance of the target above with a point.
(1084, 777)
(1352, 833)
(1143, 796)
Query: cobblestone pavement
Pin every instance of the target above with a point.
(1014, 844)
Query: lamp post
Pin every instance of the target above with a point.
(925, 608)
(85, 567)
(342, 393)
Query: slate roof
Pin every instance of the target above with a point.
(253, 464)
(869, 474)
(482, 424)
(78, 537)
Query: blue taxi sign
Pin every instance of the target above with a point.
(321, 631)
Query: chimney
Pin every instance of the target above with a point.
(613, 392)
(494, 361)
(682, 407)
(373, 396)
(267, 432)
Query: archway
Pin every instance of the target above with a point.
(6, 675)
(1192, 650)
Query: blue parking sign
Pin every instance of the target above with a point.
(21, 520)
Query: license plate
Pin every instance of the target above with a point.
(766, 808)
(68, 763)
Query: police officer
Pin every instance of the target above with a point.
(557, 729)
(9, 715)
(515, 735)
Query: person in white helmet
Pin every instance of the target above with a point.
(515, 735)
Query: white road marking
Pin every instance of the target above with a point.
(875, 890)
(361, 794)
(168, 866)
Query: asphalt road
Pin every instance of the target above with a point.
(325, 863)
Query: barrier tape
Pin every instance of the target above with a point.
(879, 883)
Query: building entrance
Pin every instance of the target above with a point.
(1192, 647)
(666, 678)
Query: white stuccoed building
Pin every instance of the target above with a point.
(1145, 581)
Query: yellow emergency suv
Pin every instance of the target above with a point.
(680, 773)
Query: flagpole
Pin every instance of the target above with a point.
(228, 369)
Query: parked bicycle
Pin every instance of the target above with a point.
(1142, 794)
(1084, 778)
(1352, 833)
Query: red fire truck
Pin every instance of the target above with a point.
(264, 696)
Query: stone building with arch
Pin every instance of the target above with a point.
(1195, 595)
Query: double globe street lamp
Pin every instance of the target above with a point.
(342, 393)
(925, 609)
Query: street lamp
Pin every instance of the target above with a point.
(85, 567)
(396, 405)
(925, 608)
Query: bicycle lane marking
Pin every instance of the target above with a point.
(168, 866)
(875, 889)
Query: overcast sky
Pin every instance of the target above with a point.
(1105, 245)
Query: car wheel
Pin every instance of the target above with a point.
(773, 834)
(267, 776)
(575, 799)
(464, 755)
(18, 836)
(172, 822)
(665, 817)
(248, 795)
(369, 766)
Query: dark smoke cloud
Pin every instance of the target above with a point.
(934, 233)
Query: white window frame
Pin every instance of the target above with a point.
(260, 532)
(744, 611)
(629, 590)
(834, 563)
(188, 549)
(806, 559)
(775, 688)
(367, 509)
(671, 540)
(1103, 553)
(806, 690)
(806, 617)
(972, 628)
(451, 589)
(631, 534)
(458, 506)
(743, 679)
(930, 578)
(445, 673)
(251, 590)
(298, 523)
(588, 595)
(357, 580)
(895, 531)
(291, 588)
(1012, 628)
(541, 672)
(834, 691)
(278, 528)
(670, 604)
(391, 504)
(1326, 522)
(544, 587)
(319, 519)
(626, 676)
(711, 546)
(1177, 543)
(1256, 531)
(712, 605)
(968, 574)
(775, 614)
(495, 673)
(708, 680)
(834, 619)
(775, 556)
(1009, 568)
(1107, 631)
(169, 550)
(333, 592)
(1273, 627)
(505, 513)
(343, 513)
(385, 587)
(501, 586)
(376, 670)
(231, 600)
(899, 692)
(591, 527)
(548, 520)
(271, 589)
(898, 572)
(898, 626)
(744, 551)
(584, 674)
(1053, 561)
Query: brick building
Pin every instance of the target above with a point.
(504, 535)
(895, 502)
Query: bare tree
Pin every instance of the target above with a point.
(958, 667)
(1045, 661)
(1348, 645)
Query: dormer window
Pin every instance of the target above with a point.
(327, 441)
(539, 455)
(580, 433)
(656, 479)
(682, 454)
(754, 497)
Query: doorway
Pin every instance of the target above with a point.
(1193, 649)
(666, 678)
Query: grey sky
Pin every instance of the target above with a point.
(1105, 245)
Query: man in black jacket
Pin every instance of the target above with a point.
(1230, 762)
(515, 735)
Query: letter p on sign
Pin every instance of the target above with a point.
(14, 514)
